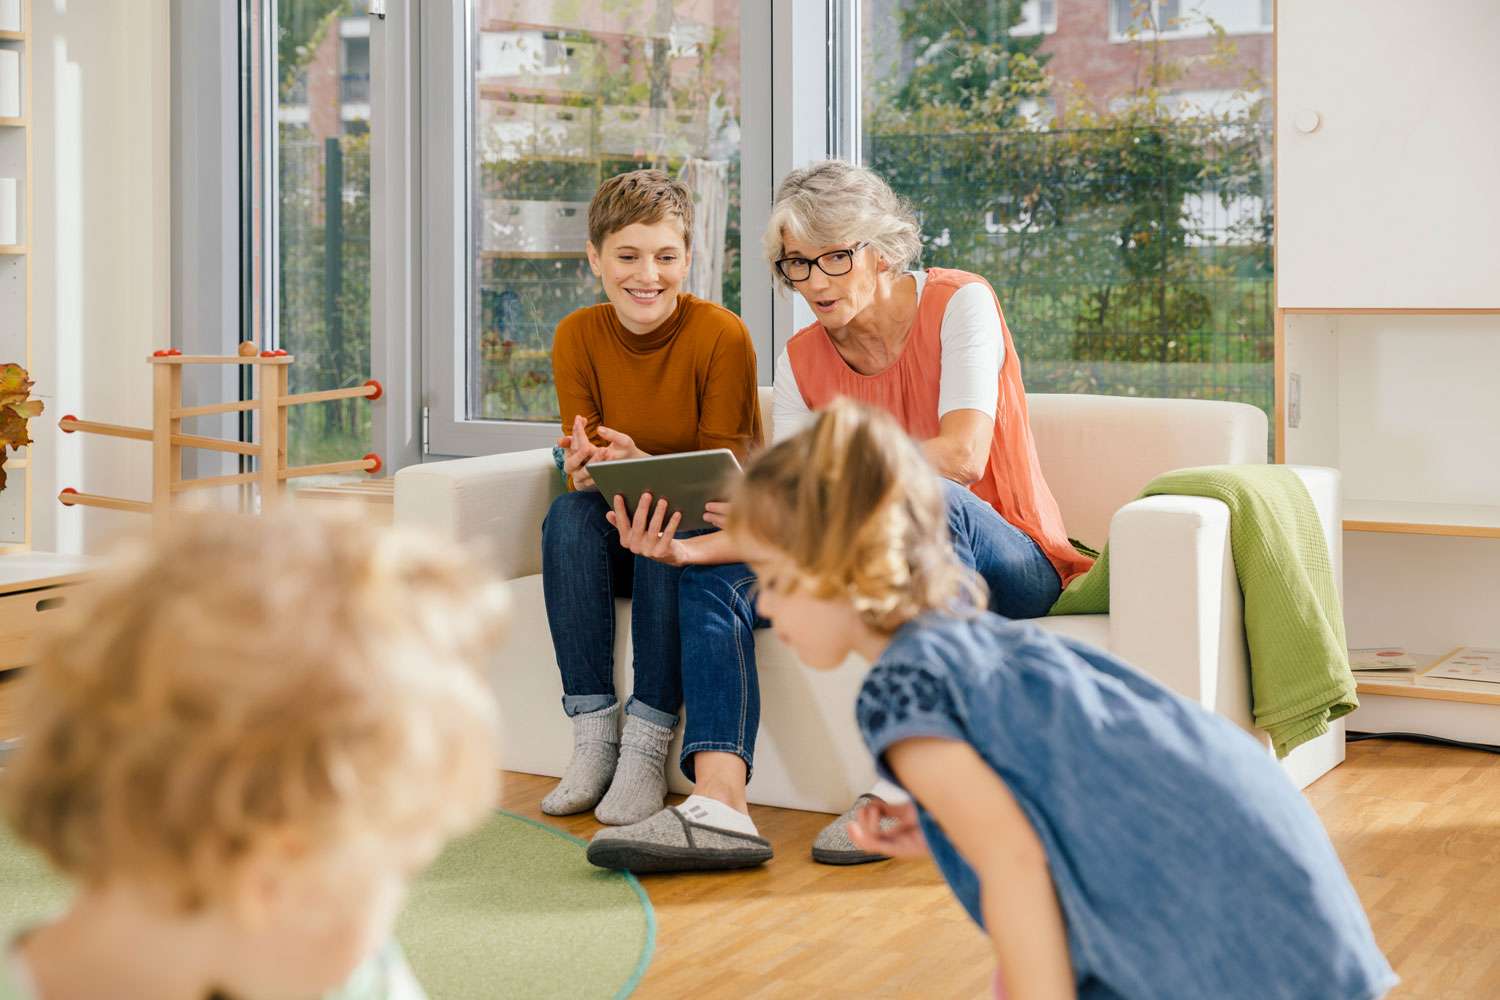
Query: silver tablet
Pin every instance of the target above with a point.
(687, 481)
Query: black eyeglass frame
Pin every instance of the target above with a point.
(818, 260)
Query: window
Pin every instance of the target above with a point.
(560, 97)
(1187, 18)
(1121, 208)
(1037, 17)
(321, 205)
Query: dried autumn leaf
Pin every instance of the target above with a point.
(15, 384)
(13, 428)
(15, 410)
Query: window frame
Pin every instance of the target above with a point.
(1116, 36)
(1044, 26)
(791, 40)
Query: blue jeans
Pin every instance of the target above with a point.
(584, 568)
(717, 607)
(1022, 582)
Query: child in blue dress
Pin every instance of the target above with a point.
(1112, 838)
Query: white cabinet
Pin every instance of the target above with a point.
(1392, 198)
(1388, 322)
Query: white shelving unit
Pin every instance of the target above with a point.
(1388, 327)
(15, 282)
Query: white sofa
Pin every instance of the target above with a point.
(1175, 610)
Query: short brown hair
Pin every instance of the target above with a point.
(858, 510)
(245, 677)
(647, 196)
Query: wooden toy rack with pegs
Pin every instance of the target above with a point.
(168, 441)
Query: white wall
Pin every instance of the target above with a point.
(101, 252)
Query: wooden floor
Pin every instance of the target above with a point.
(1418, 828)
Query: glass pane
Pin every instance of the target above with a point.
(565, 95)
(1121, 207)
(323, 218)
(1125, 14)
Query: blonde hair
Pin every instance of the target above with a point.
(647, 196)
(254, 676)
(857, 509)
(834, 202)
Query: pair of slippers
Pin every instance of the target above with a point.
(673, 841)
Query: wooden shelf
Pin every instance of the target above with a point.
(1410, 689)
(1393, 517)
(14, 122)
(24, 571)
(1407, 683)
(14, 251)
(12, 36)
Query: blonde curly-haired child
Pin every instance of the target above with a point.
(1116, 841)
(247, 740)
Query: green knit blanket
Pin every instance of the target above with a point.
(1300, 679)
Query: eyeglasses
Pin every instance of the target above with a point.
(833, 263)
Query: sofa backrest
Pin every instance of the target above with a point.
(1099, 452)
(765, 411)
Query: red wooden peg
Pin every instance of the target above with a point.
(379, 390)
(65, 419)
(378, 463)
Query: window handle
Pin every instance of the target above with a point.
(377, 9)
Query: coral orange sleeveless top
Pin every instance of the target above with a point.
(1012, 482)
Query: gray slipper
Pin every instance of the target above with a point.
(670, 842)
(833, 846)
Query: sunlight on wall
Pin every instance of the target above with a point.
(102, 110)
(67, 150)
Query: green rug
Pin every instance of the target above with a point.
(512, 910)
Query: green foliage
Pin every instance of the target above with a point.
(300, 28)
(967, 65)
(325, 306)
(1130, 245)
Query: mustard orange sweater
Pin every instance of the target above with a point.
(688, 385)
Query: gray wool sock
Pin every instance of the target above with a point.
(639, 789)
(596, 751)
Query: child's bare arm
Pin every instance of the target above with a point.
(982, 819)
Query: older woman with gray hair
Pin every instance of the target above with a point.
(928, 346)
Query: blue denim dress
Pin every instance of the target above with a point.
(1186, 863)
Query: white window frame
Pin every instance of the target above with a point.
(788, 104)
(1042, 26)
(1198, 30)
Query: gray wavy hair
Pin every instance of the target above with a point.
(837, 202)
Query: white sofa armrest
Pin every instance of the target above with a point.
(1326, 488)
(1175, 609)
(496, 502)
